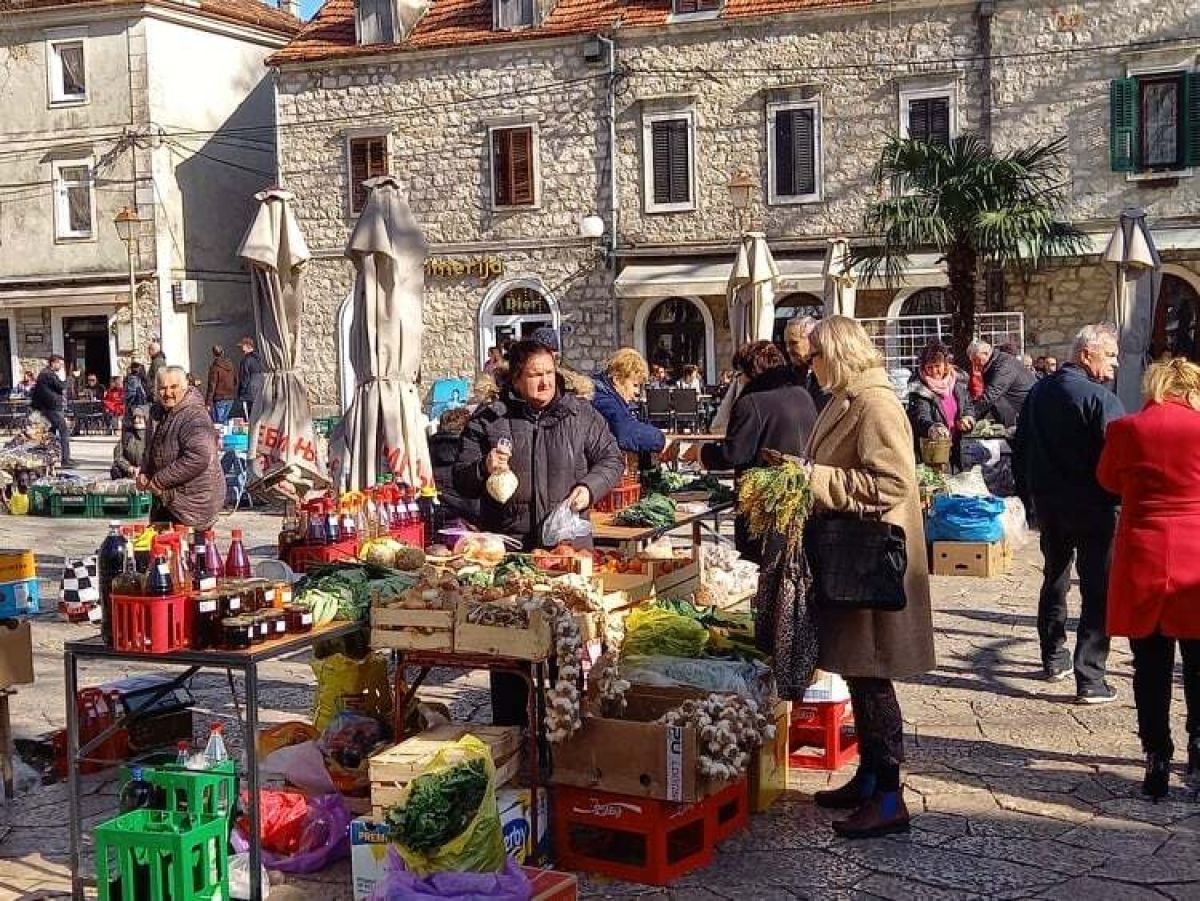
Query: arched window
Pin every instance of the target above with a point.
(513, 311)
(926, 302)
(1175, 317)
(677, 335)
(790, 306)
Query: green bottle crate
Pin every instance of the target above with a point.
(120, 506)
(39, 499)
(70, 505)
(211, 792)
(156, 855)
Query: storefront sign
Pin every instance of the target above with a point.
(454, 267)
(35, 337)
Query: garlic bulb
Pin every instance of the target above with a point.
(728, 729)
(563, 708)
(502, 485)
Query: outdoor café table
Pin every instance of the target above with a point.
(247, 662)
(632, 539)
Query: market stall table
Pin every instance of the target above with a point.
(245, 661)
(632, 539)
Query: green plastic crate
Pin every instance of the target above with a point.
(39, 499)
(325, 425)
(156, 855)
(70, 505)
(120, 506)
(211, 792)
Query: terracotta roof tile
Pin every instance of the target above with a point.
(245, 12)
(463, 23)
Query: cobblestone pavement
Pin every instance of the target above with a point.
(1017, 792)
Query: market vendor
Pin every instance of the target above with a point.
(774, 411)
(616, 388)
(937, 399)
(182, 463)
(561, 450)
(127, 455)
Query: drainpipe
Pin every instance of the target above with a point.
(987, 9)
(614, 203)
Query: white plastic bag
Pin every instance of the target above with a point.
(1016, 528)
(301, 765)
(239, 877)
(564, 524)
(968, 483)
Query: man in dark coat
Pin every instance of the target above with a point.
(774, 412)
(182, 465)
(795, 341)
(1055, 452)
(47, 399)
(158, 360)
(443, 453)
(249, 379)
(1006, 383)
(222, 385)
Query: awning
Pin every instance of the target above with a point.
(705, 277)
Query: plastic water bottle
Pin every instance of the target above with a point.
(215, 751)
(181, 754)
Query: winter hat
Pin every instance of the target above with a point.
(547, 337)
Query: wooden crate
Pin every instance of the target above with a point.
(393, 768)
(622, 590)
(678, 579)
(970, 558)
(412, 630)
(531, 643)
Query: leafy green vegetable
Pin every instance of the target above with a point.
(655, 512)
(440, 806)
(653, 631)
(664, 481)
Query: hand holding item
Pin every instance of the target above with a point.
(142, 481)
(580, 499)
(966, 424)
(498, 457)
(938, 431)
(502, 481)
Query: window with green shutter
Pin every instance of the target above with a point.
(1154, 122)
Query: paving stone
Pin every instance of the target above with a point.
(1034, 852)
(894, 889)
(1165, 812)
(1118, 837)
(1152, 870)
(941, 867)
(1088, 889)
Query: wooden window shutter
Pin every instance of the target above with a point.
(804, 148)
(1123, 116)
(785, 155)
(1191, 118)
(671, 163)
(368, 159)
(512, 167)
(939, 120)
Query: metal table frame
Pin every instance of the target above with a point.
(631, 539)
(244, 661)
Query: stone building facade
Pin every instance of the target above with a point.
(721, 82)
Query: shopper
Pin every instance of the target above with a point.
(690, 380)
(222, 385)
(137, 391)
(1154, 589)
(158, 359)
(1058, 443)
(495, 357)
(131, 448)
(561, 450)
(114, 403)
(182, 463)
(862, 463)
(443, 452)
(1005, 383)
(773, 412)
(616, 388)
(796, 341)
(937, 399)
(47, 399)
(249, 380)
(27, 383)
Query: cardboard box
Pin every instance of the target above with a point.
(769, 764)
(16, 655)
(517, 823)
(368, 856)
(970, 558)
(17, 566)
(826, 687)
(20, 598)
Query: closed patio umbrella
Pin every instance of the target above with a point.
(1136, 269)
(838, 279)
(281, 427)
(750, 296)
(384, 429)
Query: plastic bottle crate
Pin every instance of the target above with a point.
(638, 839)
(120, 506)
(211, 792)
(156, 855)
(624, 495)
(730, 809)
(302, 556)
(69, 505)
(827, 727)
(39, 499)
(151, 625)
(412, 534)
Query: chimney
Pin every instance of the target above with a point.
(291, 7)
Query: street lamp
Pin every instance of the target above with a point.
(127, 223)
(741, 189)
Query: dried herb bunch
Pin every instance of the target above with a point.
(776, 499)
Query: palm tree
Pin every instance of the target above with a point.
(970, 205)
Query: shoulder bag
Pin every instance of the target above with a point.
(857, 562)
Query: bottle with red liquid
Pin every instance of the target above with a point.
(348, 523)
(333, 523)
(315, 534)
(159, 581)
(212, 556)
(237, 562)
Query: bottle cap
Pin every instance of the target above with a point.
(182, 745)
(136, 774)
(428, 491)
(236, 534)
(216, 727)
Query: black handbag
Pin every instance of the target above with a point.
(857, 563)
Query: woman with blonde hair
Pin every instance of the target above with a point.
(1154, 585)
(862, 463)
(616, 388)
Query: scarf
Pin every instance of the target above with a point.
(943, 387)
(975, 385)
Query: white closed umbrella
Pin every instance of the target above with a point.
(384, 429)
(837, 279)
(1136, 269)
(750, 296)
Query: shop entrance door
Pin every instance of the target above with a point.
(6, 355)
(85, 347)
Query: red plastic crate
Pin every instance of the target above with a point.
(729, 810)
(551, 885)
(624, 495)
(151, 625)
(302, 556)
(412, 534)
(639, 839)
(827, 727)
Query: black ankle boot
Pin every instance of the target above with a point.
(851, 795)
(1158, 776)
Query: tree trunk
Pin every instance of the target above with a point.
(960, 265)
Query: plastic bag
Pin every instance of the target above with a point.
(239, 877)
(482, 547)
(956, 518)
(510, 884)
(480, 847)
(652, 630)
(284, 735)
(281, 816)
(322, 837)
(564, 524)
(1016, 524)
(301, 765)
(969, 483)
(339, 677)
(746, 678)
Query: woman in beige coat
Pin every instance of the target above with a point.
(861, 458)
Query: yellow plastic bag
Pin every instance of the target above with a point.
(364, 683)
(480, 847)
(18, 504)
(285, 735)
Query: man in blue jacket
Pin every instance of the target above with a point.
(1060, 435)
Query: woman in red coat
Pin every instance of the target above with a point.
(1154, 585)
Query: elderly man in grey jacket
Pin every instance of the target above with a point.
(1006, 383)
